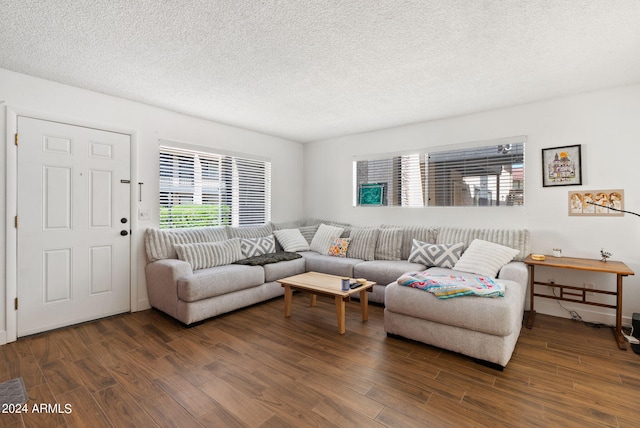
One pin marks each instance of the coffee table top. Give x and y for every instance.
(322, 283)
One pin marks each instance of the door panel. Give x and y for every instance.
(73, 264)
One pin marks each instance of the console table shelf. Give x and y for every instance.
(578, 294)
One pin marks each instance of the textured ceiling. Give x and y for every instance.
(310, 70)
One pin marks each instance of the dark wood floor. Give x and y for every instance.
(255, 368)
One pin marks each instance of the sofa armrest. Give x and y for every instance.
(162, 283)
(515, 271)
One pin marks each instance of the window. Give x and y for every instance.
(491, 175)
(393, 181)
(209, 189)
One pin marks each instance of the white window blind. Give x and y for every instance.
(210, 189)
(391, 181)
(491, 175)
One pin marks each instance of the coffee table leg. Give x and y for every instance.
(340, 309)
(288, 296)
(364, 304)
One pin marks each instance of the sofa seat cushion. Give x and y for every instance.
(384, 272)
(205, 283)
(341, 266)
(499, 316)
(276, 271)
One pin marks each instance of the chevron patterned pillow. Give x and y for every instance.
(252, 247)
(440, 255)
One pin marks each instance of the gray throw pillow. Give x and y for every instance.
(440, 255)
(252, 247)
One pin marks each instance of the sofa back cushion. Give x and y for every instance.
(202, 255)
(363, 243)
(308, 232)
(159, 243)
(250, 231)
(409, 233)
(389, 244)
(517, 239)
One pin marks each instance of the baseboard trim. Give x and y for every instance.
(588, 313)
(143, 305)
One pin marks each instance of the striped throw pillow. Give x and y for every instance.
(159, 244)
(204, 255)
(324, 237)
(291, 240)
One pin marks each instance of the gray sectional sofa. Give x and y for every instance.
(483, 328)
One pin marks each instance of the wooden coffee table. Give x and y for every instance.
(329, 285)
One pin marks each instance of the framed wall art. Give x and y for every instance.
(597, 203)
(371, 194)
(562, 166)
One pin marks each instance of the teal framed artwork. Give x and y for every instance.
(371, 194)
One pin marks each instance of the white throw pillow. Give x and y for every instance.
(204, 255)
(324, 237)
(291, 240)
(440, 255)
(485, 258)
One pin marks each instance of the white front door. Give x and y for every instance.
(73, 224)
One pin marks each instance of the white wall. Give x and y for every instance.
(605, 123)
(48, 100)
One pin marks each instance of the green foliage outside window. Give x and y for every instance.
(179, 216)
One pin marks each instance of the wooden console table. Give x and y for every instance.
(579, 294)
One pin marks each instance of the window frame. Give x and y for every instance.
(220, 179)
(509, 189)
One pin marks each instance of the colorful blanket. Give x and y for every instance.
(448, 286)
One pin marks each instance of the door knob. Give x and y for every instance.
(124, 233)
(123, 220)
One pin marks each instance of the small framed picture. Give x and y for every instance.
(562, 166)
(372, 194)
(597, 203)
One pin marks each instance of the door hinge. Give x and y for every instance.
(16, 303)
(16, 139)
(16, 222)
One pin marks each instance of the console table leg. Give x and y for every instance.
(531, 319)
(532, 312)
(618, 332)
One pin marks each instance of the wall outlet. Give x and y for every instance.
(144, 214)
